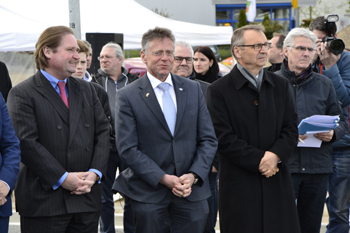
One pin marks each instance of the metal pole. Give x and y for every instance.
(74, 17)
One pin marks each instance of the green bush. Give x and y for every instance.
(132, 53)
(271, 27)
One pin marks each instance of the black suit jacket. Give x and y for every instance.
(55, 140)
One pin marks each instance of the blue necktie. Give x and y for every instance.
(169, 110)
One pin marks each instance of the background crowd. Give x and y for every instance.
(174, 132)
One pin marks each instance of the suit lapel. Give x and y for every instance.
(181, 98)
(44, 87)
(75, 107)
(149, 97)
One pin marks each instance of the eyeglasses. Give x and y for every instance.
(102, 57)
(161, 53)
(257, 47)
(303, 49)
(179, 59)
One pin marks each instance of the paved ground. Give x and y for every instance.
(15, 227)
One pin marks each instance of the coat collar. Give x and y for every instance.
(149, 97)
(239, 80)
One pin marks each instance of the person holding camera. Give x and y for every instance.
(334, 63)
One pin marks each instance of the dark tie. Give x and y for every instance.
(61, 86)
(169, 110)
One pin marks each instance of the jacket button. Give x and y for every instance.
(256, 102)
(59, 127)
(87, 125)
(87, 148)
(303, 169)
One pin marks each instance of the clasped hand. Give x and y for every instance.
(180, 186)
(79, 182)
(4, 191)
(268, 164)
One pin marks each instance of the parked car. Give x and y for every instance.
(135, 65)
(215, 51)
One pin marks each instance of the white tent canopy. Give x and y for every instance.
(23, 21)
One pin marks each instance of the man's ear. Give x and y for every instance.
(47, 52)
(286, 51)
(143, 56)
(281, 52)
(237, 52)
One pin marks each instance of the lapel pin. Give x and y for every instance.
(147, 94)
(181, 89)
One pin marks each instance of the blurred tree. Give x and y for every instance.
(242, 19)
(323, 7)
(305, 23)
(271, 27)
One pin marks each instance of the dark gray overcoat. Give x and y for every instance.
(249, 122)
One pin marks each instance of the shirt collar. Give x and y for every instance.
(51, 78)
(155, 82)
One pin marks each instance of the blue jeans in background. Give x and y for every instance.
(339, 190)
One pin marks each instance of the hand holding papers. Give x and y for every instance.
(316, 124)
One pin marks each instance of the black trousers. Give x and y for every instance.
(69, 223)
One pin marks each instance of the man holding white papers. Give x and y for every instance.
(313, 94)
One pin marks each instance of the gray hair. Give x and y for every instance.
(238, 35)
(156, 33)
(289, 42)
(184, 44)
(117, 50)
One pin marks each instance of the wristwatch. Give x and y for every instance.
(196, 177)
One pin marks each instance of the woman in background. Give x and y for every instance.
(205, 64)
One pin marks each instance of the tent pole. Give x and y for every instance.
(74, 17)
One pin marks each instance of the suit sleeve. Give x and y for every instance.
(9, 148)
(34, 154)
(206, 140)
(127, 143)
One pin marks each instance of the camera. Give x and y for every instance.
(336, 46)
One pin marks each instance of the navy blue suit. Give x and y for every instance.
(10, 157)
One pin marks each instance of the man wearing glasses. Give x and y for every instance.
(112, 76)
(165, 136)
(183, 66)
(313, 94)
(256, 125)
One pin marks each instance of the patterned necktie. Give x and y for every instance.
(61, 86)
(169, 110)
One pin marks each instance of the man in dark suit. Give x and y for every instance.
(167, 140)
(256, 125)
(10, 157)
(64, 137)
